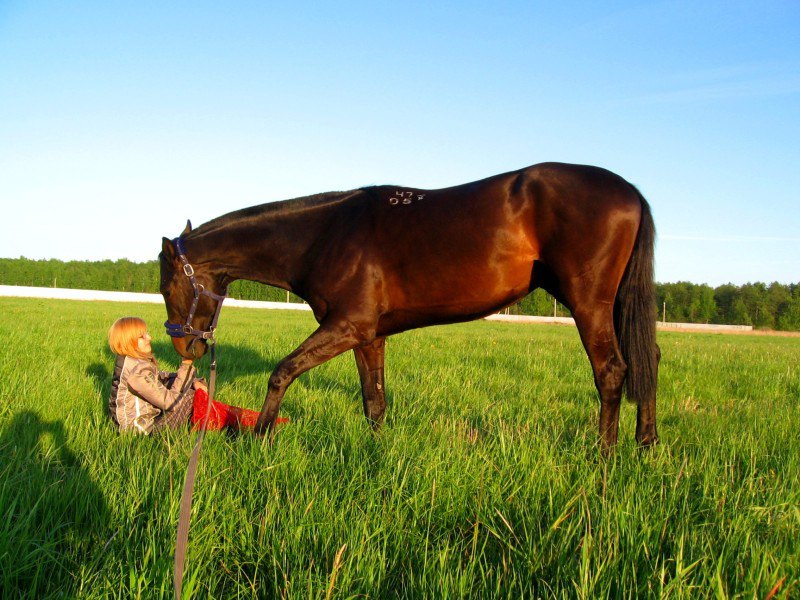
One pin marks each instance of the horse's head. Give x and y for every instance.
(193, 294)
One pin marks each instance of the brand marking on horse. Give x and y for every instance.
(405, 197)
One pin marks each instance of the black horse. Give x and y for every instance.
(380, 260)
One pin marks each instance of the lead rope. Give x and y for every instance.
(188, 485)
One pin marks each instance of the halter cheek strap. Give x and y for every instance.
(177, 330)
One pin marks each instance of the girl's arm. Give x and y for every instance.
(144, 382)
(165, 377)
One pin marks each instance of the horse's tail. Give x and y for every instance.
(636, 313)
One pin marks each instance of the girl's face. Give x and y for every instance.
(143, 343)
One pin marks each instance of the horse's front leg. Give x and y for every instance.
(329, 340)
(369, 360)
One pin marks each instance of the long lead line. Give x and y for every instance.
(182, 540)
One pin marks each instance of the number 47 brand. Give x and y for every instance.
(405, 197)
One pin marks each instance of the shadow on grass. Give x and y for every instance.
(101, 374)
(53, 514)
(232, 360)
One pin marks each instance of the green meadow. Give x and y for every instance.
(485, 482)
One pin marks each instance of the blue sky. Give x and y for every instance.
(118, 121)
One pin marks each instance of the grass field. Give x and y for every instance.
(485, 482)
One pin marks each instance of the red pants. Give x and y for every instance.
(223, 415)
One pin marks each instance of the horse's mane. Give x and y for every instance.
(271, 210)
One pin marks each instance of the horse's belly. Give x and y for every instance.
(454, 293)
(476, 277)
(451, 311)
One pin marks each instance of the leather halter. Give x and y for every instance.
(179, 331)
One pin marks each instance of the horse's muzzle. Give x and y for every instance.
(190, 347)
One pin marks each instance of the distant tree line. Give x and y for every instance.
(113, 275)
(773, 306)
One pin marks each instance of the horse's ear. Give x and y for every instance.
(188, 227)
(167, 248)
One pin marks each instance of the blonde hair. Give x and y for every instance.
(124, 334)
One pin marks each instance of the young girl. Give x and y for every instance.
(144, 399)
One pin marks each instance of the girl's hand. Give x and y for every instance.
(199, 385)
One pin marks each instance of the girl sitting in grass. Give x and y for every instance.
(144, 399)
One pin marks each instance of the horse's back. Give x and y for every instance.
(465, 251)
(441, 255)
(515, 215)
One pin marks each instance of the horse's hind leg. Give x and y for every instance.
(369, 360)
(596, 328)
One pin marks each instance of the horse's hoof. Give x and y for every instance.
(647, 442)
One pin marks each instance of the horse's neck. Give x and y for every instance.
(269, 249)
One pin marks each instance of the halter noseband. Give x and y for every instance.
(177, 330)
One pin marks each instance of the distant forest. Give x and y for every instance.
(765, 306)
